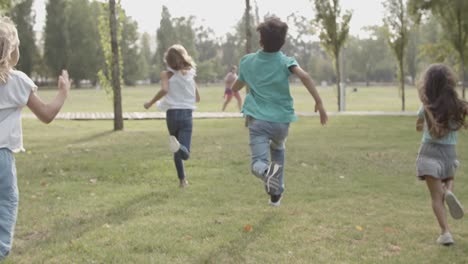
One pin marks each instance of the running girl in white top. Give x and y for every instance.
(177, 96)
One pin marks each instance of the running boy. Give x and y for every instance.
(269, 106)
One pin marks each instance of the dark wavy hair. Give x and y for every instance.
(272, 34)
(444, 110)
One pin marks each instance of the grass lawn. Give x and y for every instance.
(89, 195)
(365, 99)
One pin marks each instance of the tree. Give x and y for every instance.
(23, 18)
(412, 52)
(56, 38)
(113, 22)
(248, 32)
(85, 54)
(5, 6)
(145, 56)
(453, 16)
(300, 44)
(129, 50)
(185, 34)
(397, 24)
(165, 36)
(334, 30)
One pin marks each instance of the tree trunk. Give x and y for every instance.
(338, 80)
(118, 118)
(462, 78)
(402, 85)
(248, 34)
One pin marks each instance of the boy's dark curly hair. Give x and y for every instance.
(272, 34)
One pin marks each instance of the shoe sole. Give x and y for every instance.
(272, 183)
(455, 208)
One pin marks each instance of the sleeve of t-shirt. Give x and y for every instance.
(421, 112)
(291, 62)
(25, 86)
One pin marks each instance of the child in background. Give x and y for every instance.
(177, 96)
(16, 91)
(442, 113)
(269, 106)
(231, 76)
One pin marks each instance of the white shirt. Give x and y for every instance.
(181, 93)
(14, 95)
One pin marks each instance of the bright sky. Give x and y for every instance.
(222, 15)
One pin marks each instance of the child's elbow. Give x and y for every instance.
(46, 119)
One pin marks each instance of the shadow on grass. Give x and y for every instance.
(72, 228)
(234, 251)
(94, 136)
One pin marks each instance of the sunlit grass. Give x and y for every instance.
(89, 195)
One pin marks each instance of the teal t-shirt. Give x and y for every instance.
(267, 76)
(449, 139)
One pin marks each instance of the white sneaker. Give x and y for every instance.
(174, 144)
(455, 207)
(445, 239)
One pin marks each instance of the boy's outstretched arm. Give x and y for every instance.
(309, 84)
(237, 85)
(47, 112)
(165, 76)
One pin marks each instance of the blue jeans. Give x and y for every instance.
(267, 139)
(179, 123)
(8, 200)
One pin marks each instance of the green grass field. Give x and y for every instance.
(89, 195)
(365, 99)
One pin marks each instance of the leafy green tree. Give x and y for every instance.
(453, 16)
(230, 52)
(130, 61)
(56, 37)
(299, 40)
(209, 66)
(145, 56)
(23, 18)
(185, 34)
(334, 30)
(83, 41)
(412, 52)
(165, 36)
(5, 6)
(397, 23)
(434, 46)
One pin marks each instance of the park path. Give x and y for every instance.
(201, 115)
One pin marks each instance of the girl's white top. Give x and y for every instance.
(14, 95)
(181, 93)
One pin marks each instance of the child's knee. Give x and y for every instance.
(259, 169)
(277, 145)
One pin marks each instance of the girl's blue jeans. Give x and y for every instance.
(179, 123)
(8, 200)
(267, 142)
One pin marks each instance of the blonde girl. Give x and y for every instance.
(177, 96)
(16, 91)
(441, 115)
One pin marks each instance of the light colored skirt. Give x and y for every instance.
(436, 160)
